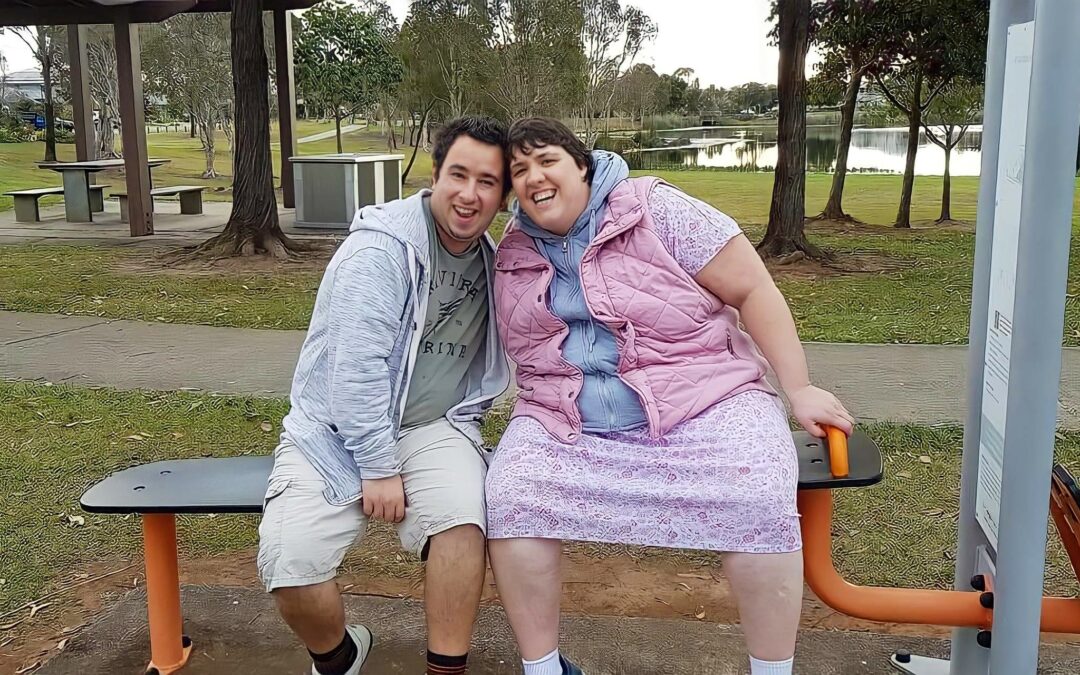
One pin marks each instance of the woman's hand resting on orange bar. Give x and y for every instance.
(816, 408)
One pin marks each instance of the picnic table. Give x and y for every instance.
(76, 177)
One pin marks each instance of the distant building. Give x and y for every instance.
(23, 84)
(870, 96)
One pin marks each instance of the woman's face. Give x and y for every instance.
(550, 186)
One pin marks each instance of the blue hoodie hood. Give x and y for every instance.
(609, 170)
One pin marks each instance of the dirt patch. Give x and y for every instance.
(861, 228)
(174, 262)
(642, 583)
(854, 264)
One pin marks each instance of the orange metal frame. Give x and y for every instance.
(169, 647)
(901, 605)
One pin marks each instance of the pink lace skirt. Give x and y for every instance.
(723, 481)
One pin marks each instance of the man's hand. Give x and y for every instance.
(384, 499)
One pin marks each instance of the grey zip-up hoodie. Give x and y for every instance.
(349, 388)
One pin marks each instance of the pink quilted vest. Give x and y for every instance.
(680, 347)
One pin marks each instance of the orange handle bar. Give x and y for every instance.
(838, 451)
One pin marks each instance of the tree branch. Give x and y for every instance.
(934, 94)
(889, 95)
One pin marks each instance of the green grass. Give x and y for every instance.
(923, 295)
(187, 161)
(92, 281)
(59, 440)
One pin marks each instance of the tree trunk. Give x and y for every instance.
(46, 76)
(416, 145)
(337, 128)
(903, 216)
(946, 188)
(785, 234)
(253, 224)
(206, 132)
(191, 123)
(834, 209)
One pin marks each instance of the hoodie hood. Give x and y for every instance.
(402, 219)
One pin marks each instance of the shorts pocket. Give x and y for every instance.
(274, 489)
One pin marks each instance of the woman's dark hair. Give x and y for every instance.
(530, 133)
(483, 129)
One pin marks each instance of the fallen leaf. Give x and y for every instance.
(11, 625)
(194, 405)
(27, 669)
(60, 645)
(903, 474)
(74, 424)
(266, 426)
(134, 437)
(82, 576)
(700, 615)
(37, 608)
(3, 581)
(694, 576)
(177, 435)
(76, 520)
(925, 459)
(688, 589)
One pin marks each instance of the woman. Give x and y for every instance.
(643, 413)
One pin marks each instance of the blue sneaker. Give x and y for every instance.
(569, 668)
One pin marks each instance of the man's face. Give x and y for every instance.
(466, 192)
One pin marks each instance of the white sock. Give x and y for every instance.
(768, 667)
(548, 665)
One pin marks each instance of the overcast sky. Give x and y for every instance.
(724, 41)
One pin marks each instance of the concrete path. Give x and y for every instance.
(171, 228)
(347, 129)
(903, 383)
(237, 631)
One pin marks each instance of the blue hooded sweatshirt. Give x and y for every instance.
(606, 403)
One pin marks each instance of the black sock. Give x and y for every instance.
(338, 660)
(437, 664)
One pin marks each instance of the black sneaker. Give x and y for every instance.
(569, 668)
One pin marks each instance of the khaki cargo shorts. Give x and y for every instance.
(303, 538)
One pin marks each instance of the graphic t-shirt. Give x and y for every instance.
(454, 332)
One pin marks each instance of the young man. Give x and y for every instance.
(401, 359)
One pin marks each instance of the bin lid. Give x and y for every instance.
(346, 158)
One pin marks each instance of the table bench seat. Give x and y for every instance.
(26, 201)
(191, 201)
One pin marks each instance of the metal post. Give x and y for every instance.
(169, 649)
(967, 656)
(1049, 183)
(133, 123)
(286, 91)
(82, 105)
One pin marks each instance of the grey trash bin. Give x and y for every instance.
(331, 188)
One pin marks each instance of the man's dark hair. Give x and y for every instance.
(483, 129)
(530, 133)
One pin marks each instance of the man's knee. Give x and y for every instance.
(456, 541)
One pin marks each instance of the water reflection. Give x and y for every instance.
(754, 149)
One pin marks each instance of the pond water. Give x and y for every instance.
(754, 149)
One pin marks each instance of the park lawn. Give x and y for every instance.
(913, 287)
(59, 440)
(187, 161)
